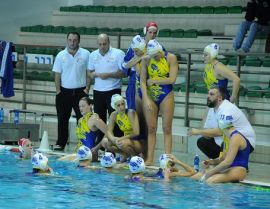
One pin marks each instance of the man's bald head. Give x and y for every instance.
(103, 41)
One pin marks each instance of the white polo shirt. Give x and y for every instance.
(212, 122)
(72, 68)
(231, 112)
(109, 63)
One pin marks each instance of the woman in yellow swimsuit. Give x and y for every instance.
(158, 74)
(131, 143)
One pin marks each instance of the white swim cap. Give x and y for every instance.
(39, 161)
(138, 43)
(84, 153)
(136, 165)
(163, 161)
(212, 50)
(116, 98)
(153, 47)
(107, 160)
(225, 123)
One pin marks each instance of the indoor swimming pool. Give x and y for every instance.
(74, 187)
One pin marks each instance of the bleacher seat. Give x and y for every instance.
(46, 29)
(155, 10)
(205, 32)
(164, 33)
(81, 30)
(192, 33)
(132, 9)
(233, 61)
(36, 28)
(221, 10)
(183, 87)
(194, 10)
(207, 10)
(109, 9)
(181, 10)
(179, 33)
(200, 87)
(235, 10)
(254, 91)
(58, 29)
(144, 10)
(69, 29)
(121, 9)
(168, 10)
(267, 92)
(91, 31)
(253, 61)
(266, 62)
(76, 8)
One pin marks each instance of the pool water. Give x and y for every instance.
(74, 187)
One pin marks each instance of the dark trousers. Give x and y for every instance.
(102, 106)
(209, 147)
(65, 101)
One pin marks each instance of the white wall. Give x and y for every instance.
(14, 14)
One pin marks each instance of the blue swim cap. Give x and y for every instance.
(107, 160)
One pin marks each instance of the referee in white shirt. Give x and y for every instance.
(71, 82)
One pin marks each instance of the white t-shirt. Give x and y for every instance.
(72, 68)
(109, 63)
(212, 122)
(232, 113)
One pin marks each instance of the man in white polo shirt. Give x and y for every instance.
(225, 110)
(105, 65)
(71, 82)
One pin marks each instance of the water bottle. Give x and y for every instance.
(1, 115)
(16, 116)
(196, 162)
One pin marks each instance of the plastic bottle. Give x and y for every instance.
(16, 116)
(1, 115)
(196, 162)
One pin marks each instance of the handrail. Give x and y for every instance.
(188, 52)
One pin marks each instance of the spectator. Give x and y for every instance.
(256, 19)
(105, 65)
(71, 82)
(158, 74)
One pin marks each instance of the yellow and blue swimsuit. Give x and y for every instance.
(84, 135)
(158, 70)
(210, 79)
(125, 124)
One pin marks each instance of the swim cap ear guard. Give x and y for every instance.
(39, 161)
(150, 25)
(138, 43)
(116, 98)
(136, 165)
(107, 160)
(212, 50)
(84, 153)
(163, 161)
(153, 47)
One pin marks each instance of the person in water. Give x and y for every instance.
(40, 164)
(25, 148)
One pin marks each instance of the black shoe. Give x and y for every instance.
(58, 148)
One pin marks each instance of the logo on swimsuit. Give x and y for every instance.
(154, 67)
(120, 122)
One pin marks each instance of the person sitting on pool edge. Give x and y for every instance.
(131, 143)
(40, 164)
